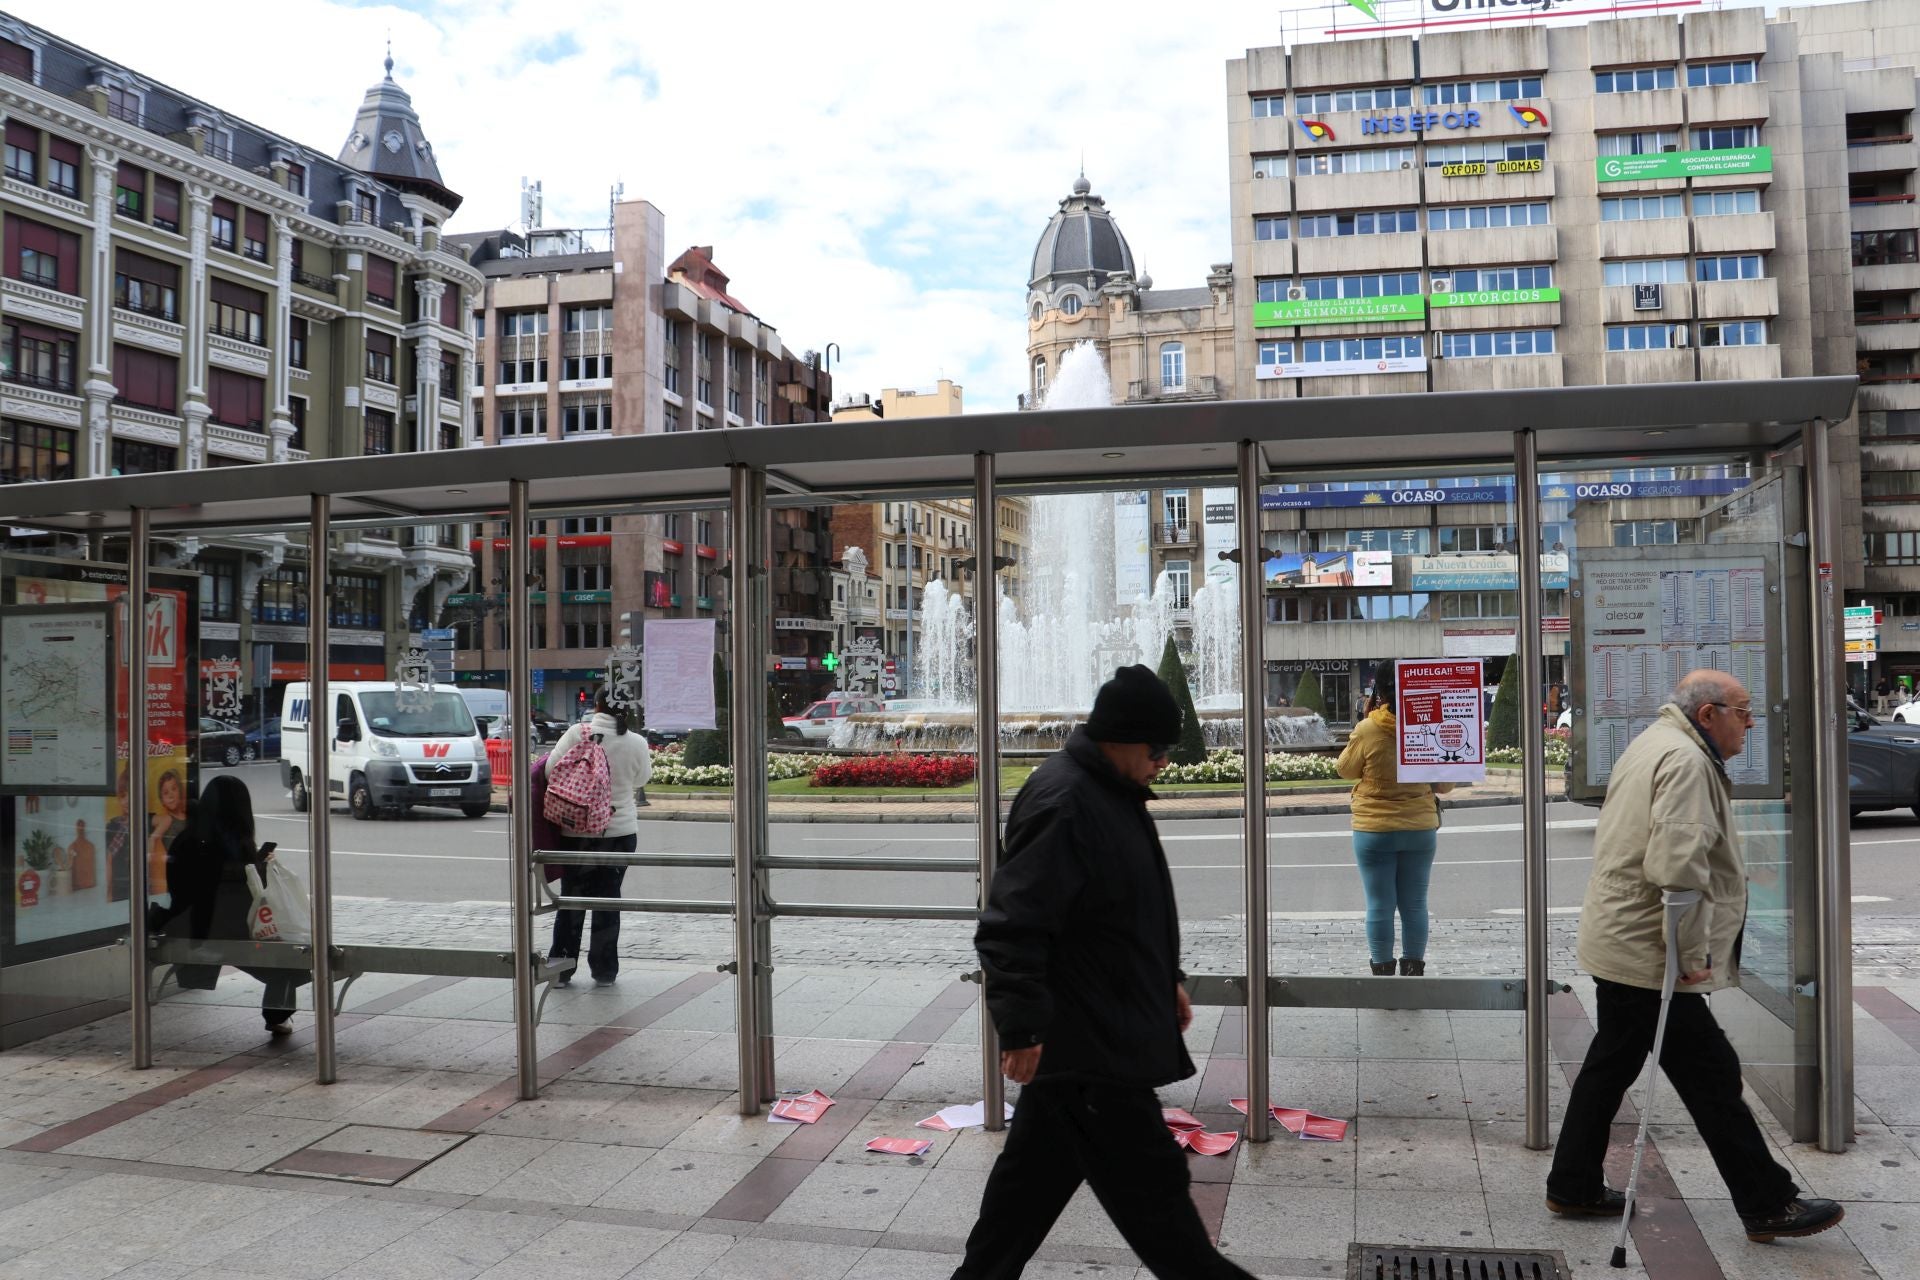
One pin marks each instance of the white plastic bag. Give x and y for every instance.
(279, 912)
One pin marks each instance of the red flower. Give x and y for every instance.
(895, 771)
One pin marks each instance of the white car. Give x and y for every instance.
(817, 722)
(1907, 713)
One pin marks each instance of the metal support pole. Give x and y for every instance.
(1833, 994)
(747, 516)
(141, 1020)
(320, 732)
(907, 685)
(986, 737)
(520, 890)
(1253, 711)
(1533, 782)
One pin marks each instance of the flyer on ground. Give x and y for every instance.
(1441, 733)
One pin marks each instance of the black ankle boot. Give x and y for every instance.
(1381, 968)
(1411, 968)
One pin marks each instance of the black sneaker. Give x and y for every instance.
(1794, 1218)
(603, 982)
(1609, 1205)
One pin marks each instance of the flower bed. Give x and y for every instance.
(1557, 751)
(670, 769)
(1225, 764)
(895, 771)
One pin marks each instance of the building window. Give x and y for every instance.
(1733, 266)
(1480, 604)
(1885, 248)
(449, 385)
(137, 458)
(225, 232)
(297, 343)
(282, 596)
(1375, 284)
(1266, 165)
(1070, 305)
(1328, 350)
(130, 191)
(125, 104)
(38, 254)
(146, 379)
(297, 178)
(670, 379)
(146, 285)
(1653, 533)
(1370, 160)
(1639, 337)
(382, 280)
(1635, 80)
(1506, 89)
(166, 204)
(356, 601)
(1641, 208)
(366, 208)
(1376, 98)
(586, 320)
(380, 356)
(523, 372)
(38, 357)
(1715, 204)
(30, 452)
(1486, 150)
(1726, 137)
(1372, 223)
(703, 392)
(1173, 367)
(477, 325)
(522, 324)
(1269, 104)
(1489, 279)
(253, 242)
(588, 416)
(577, 368)
(1651, 142)
(1738, 71)
(17, 60)
(379, 432)
(1180, 582)
(1519, 342)
(236, 399)
(670, 417)
(297, 414)
(1472, 217)
(1734, 333)
(1644, 271)
(524, 419)
(1272, 228)
(23, 153)
(237, 312)
(586, 577)
(1890, 423)
(63, 169)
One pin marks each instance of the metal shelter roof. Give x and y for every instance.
(1120, 446)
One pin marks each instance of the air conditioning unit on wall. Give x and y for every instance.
(1296, 294)
(1442, 285)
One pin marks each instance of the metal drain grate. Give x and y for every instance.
(1407, 1262)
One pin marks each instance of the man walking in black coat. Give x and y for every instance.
(1080, 943)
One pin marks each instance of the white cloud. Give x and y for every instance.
(872, 175)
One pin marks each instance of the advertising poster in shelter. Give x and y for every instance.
(68, 850)
(1441, 736)
(1219, 532)
(677, 678)
(1132, 550)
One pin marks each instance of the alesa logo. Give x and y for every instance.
(432, 749)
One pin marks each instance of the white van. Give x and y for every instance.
(385, 759)
(489, 708)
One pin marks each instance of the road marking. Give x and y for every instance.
(422, 857)
(1329, 866)
(1868, 897)
(1342, 833)
(1520, 911)
(1902, 840)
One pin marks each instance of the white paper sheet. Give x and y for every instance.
(677, 682)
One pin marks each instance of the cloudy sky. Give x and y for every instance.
(870, 174)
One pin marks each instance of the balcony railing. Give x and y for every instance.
(1903, 198)
(1879, 141)
(1176, 535)
(45, 382)
(238, 335)
(1194, 388)
(321, 284)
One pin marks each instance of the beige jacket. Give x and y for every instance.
(1381, 802)
(1667, 823)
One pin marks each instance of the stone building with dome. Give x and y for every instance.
(1160, 344)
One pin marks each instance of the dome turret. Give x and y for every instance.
(387, 143)
(1081, 246)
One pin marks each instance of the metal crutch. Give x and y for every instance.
(1676, 902)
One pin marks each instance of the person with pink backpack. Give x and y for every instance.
(592, 777)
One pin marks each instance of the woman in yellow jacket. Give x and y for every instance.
(1396, 827)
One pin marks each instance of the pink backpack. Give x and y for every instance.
(580, 790)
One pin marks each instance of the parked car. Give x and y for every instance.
(221, 743)
(263, 740)
(817, 722)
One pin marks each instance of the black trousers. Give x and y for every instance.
(603, 945)
(1064, 1133)
(1704, 1071)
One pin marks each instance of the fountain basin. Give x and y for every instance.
(1287, 728)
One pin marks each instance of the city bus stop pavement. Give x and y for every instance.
(226, 1160)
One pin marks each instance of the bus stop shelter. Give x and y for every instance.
(1779, 429)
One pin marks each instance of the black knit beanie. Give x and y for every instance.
(1135, 706)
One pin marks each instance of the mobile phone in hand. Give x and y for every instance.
(266, 850)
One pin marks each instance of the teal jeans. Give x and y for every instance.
(1395, 869)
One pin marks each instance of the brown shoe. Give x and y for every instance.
(1794, 1218)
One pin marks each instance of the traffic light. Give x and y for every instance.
(580, 699)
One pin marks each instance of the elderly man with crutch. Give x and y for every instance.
(1667, 827)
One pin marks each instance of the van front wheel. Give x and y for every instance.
(360, 799)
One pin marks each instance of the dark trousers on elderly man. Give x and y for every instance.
(1114, 1139)
(1705, 1072)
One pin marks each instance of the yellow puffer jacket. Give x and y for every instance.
(1381, 802)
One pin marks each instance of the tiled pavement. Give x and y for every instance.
(226, 1161)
